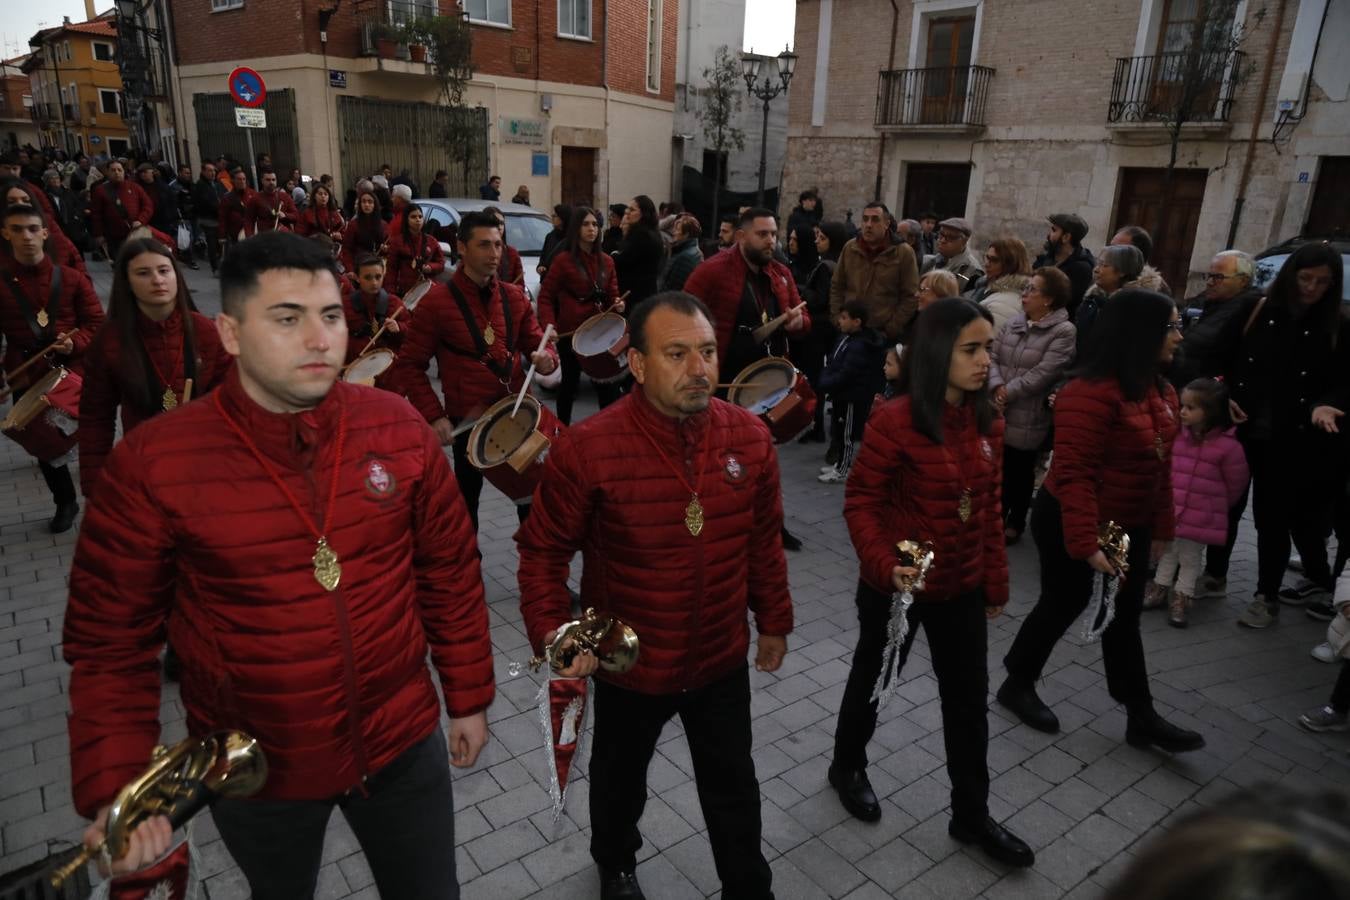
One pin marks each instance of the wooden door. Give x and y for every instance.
(578, 176)
(936, 187)
(1170, 213)
(950, 41)
(1329, 212)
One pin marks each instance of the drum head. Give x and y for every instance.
(598, 333)
(497, 435)
(763, 385)
(365, 369)
(415, 295)
(34, 400)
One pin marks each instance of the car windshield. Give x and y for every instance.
(526, 233)
(1267, 267)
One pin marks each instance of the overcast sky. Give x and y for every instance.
(768, 23)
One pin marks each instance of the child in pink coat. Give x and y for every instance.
(1209, 473)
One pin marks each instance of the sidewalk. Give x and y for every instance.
(1083, 799)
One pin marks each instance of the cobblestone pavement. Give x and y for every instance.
(1083, 799)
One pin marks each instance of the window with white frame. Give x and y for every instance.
(653, 45)
(110, 102)
(222, 5)
(574, 18)
(493, 12)
(103, 52)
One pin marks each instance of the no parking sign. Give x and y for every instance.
(247, 88)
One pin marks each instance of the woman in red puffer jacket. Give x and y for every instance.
(929, 470)
(1114, 427)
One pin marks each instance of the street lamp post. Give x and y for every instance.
(765, 91)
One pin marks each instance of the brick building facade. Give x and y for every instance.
(575, 97)
(17, 128)
(1006, 112)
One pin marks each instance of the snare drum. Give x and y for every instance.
(41, 418)
(774, 390)
(365, 369)
(415, 295)
(601, 346)
(510, 451)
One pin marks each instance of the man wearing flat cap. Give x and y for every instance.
(952, 253)
(1064, 250)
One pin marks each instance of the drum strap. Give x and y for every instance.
(501, 370)
(40, 334)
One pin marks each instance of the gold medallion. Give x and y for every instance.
(489, 336)
(169, 400)
(42, 318)
(964, 507)
(327, 570)
(693, 516)
(764, 317)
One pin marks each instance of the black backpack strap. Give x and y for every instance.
(476, 334)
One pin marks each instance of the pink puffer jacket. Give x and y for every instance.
(1208, 476)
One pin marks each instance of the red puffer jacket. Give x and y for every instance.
(438, 330)
(190, 533)
(720, 282)
(78, 312)
(321, 220)
(610, 493)
(1113, 461)
(106, 388)
(233, 213)
(265, 212)
(565, 297)
(364, 319)
(404, 262)
(112, 223)
(905, 487)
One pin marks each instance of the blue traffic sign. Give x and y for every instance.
(247, 88)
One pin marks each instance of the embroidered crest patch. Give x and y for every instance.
(732, 469)
(379, 480)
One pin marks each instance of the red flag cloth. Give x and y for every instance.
(170, 878)
(562, 714)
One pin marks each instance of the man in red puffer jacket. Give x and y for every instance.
(302, 576)
(672, 498)
(116, 208)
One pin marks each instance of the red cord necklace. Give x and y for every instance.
(693, 513)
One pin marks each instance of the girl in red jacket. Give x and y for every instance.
(365, 232)
(581, 281)
(1114, 427)
(322, 216)
(929, 470)
(139, 361)
(412, 255)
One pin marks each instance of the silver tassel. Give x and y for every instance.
(888, 682)
(1102, 606)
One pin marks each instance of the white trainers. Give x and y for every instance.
(828, 468)
(834, 476)
(1323, 653)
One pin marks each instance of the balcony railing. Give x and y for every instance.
(950, 96)
(387, 14)
(1197, 87)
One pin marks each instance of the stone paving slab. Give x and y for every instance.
(1084, 800)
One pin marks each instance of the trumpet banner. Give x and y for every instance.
(563, 706)
(172, 877)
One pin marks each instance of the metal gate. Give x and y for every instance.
(218, 135)
(412, 136)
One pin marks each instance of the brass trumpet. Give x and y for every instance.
(614, 644)
(179, 782)
(1115, 546)
(914, 555)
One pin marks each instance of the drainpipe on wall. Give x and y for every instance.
(604, 81)
(890, 64)
(1256, 124)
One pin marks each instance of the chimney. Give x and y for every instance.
(89, 13)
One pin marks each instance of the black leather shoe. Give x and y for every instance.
(790, 542)
(1150, 729)
(856, 793)
(1000, 843)
(1023, 702)
(619, 886)
(64, 518)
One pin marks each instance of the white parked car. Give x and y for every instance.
(526, 228)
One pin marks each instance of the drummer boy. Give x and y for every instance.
(371, 307)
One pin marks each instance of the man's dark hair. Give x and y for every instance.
(481, 219)
(808, 194)
(265, 170)
(494, 212)
(368, 259)
(928, 214)
(728, 219)
(755, 212)
(24, 211)
(440, 173)
(617, 209)
(856, 309)
(877, 204)
(676, 301)
(1140, 237)
(267, 252)
(492, 178)
(1126, 341)
(927, 360)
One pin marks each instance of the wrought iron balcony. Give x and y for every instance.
(1196, 87)
(933, 99)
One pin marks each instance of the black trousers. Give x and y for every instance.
(958, 644)
(571, 383)
(1066, 587)
(1019, 481)
(1217, 556)
(405, 824)
(208, 229)
(58, 478)
(470, 481)
(716, 721)
(1293, 490)
(1340, 695)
